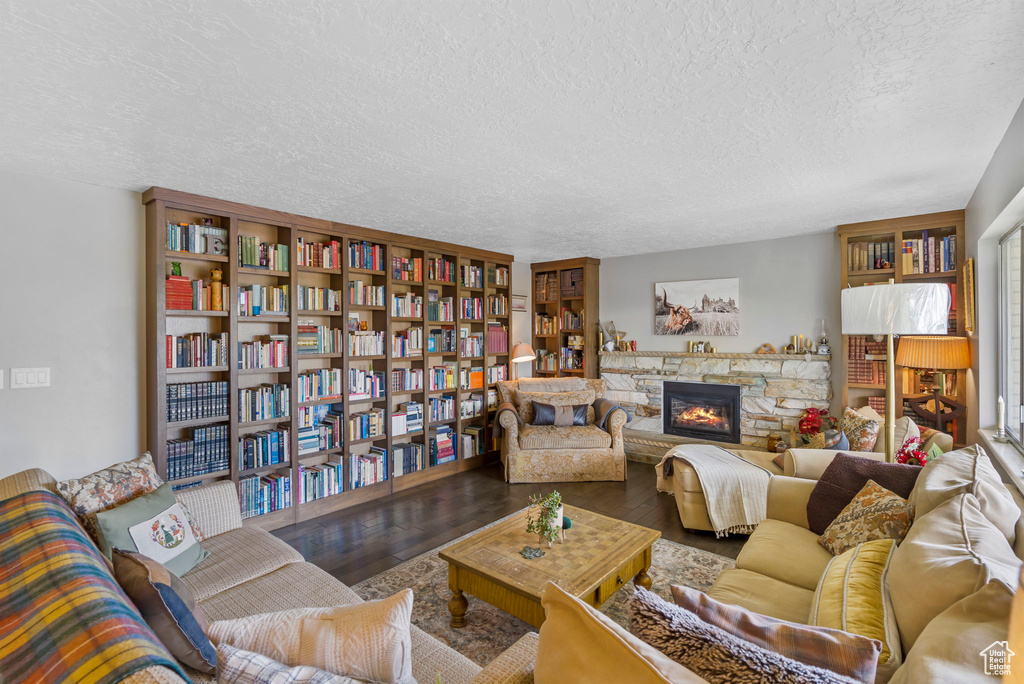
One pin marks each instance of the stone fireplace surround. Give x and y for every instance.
(774, 391)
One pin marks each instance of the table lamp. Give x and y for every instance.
(521, 352)
(936, 353)
(895, 309)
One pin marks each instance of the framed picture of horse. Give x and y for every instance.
(703, 308)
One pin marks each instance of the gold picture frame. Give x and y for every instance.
(969, 313)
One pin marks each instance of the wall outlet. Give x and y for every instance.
(29, 378)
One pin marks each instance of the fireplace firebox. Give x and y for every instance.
(702, 410)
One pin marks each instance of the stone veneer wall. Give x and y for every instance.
(775, 388)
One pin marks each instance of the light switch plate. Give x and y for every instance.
(29, 378)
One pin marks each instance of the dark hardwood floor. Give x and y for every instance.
(362, 541)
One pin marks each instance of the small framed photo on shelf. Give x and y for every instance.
(519, 303)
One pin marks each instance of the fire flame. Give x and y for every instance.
(700, 415)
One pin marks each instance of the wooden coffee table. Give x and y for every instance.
(600, 554)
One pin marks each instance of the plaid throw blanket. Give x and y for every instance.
(63, 618)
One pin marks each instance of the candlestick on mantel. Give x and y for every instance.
(1000, 419)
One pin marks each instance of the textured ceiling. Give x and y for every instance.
(546, 129)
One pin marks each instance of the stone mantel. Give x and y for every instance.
(774, 388)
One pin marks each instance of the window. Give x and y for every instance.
(1011, 351)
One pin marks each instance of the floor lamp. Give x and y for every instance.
(937, 354)
(889, 310)
(521, 352)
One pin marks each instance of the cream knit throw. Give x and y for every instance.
(736, 490)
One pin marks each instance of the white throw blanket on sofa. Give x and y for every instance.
(735, 489)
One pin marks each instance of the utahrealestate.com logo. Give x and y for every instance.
(997, 658)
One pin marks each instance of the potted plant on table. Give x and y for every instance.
(545, 516)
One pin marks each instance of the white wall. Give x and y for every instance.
(521, 324)
(786, 287)
(72, 297)
(993, 209)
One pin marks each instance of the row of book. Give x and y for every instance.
(570, 358)
(266, 402)
(319, 339)
(409, 458)
(870, 256)
(405, 343)
(406, 379)
(370, 468)
(546, 361)
(497, 305)
(320, 428)
(197, 400)
(571, 282)
(442, 340)
(257, 300)
(471, 308)
(320, 481)
(318, 254)
(471, 406)
(865, 361)
(205, 451)
(545, 287)
(440, 268)
(366, 255)
(266, 351)
(407, 305)
(262, 494)
(442, 408)
(365, 384)
(408, 418)
(184, 294)
(266, 256)
(471, 378)
(407, 268)
(443, 376)
(571, 320)
(197, 350)
(363, 294)
(319, 299)
(197, 239)
(498, 275)
(366, 343)
(473, 441)
(264, 448)
(497, 373)
(471, 276)
(497, 338)
(544, 325)
(441, 445)
(439, 308)
(366, 424)
(471, 344)
(322, 383)
(929, 254)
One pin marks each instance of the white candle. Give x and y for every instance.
(1000, 416)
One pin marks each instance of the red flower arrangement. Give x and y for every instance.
(911, 454)
(813, 420)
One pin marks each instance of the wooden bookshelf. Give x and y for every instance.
(857, 391)
(164, 206)
(552, 303)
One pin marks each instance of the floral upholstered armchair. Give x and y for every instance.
(574, 436)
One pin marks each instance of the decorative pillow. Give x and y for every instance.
(109, 487)
(168, 607)
(713, 653)
(578, 641)
(844, 477)
(368, 640)
(874, 513)
(561, 416)
(950, 647)
(848, 654)
(235, 666)
(949, 553)
(967, 471)
(853, 595)
(155, 526)
(862, 432)
(524, 401)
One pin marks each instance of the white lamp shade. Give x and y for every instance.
(896, 309)
(523, 352)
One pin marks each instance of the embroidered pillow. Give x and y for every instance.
(861, 431)
(874, 513)
(109, 487)
(235, 666)
(713, 653)
(524, 402)
(848, 654)
(560, 416)
(168, 607)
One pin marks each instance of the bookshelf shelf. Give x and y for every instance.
(871, 272)
(347, 248)
(941, 275)
(566, 307)
(865, 385)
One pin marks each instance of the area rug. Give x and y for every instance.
(490, 631)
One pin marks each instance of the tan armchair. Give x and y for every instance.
(548, 453)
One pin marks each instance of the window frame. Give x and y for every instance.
(1014, 434)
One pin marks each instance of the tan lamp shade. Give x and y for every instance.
(939, 352)
(523, 352)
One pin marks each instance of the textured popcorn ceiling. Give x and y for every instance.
(545, 129)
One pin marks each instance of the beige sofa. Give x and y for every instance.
(546, 453)
(250, 571)
(778, 569)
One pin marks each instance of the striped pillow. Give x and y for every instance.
(235, 666)
(848, 654)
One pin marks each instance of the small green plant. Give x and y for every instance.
(541, 516)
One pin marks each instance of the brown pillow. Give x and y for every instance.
(844, 477)
(874, 513)
(561, 416)
(168, 607)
